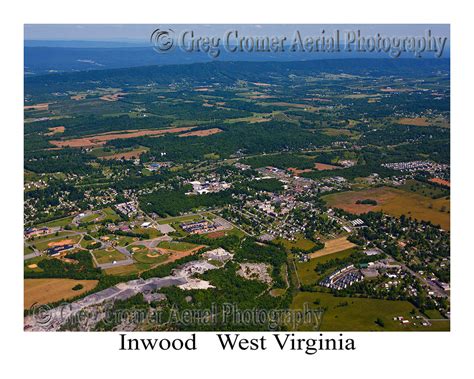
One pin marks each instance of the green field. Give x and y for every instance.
(142, 257)
(425, 189)
(360, 314)
(125, 240)
(59, 222)
(299, 243)
(104, 256)
(33, 261)
(127, 269)
(152, 232)
(27, 249)
(179, 219)
(42, 244)
(110, 214)
(178, 246)
(306, 273)
(91, 217)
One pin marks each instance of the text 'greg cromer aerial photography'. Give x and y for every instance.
(237, 178)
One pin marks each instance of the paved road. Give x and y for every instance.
(32, 255)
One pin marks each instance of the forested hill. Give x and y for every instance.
(230, 72)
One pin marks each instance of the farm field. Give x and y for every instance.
(128, 154)
(101, 139)
(333, 246)
(43, 291)
(360, 314)
(395, 202)
(417, 121)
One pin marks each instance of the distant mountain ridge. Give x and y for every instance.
(86, 55)
(228, 72)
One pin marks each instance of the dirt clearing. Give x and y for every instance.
(175, 254)
(201, 133)
(324, 167)
(37, 107)
(61, 243)
(442, 182)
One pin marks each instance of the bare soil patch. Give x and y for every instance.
(442, 182)
(113, 97)
(175, 254)
(215, 235)
(324, 166)
(61, 243)
(201, 133)
(101, 139)
(55, 130)
(297, 172)
(37, 107)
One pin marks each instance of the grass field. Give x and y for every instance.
(306, 273)
(180, 219)
(395, 202)
(152, 232)
(59, 222)
(149, 257)
(31, 265)
(91, 217)
(104, 256)
(177, 246)
(43, 291)
(61, 239)
(27, 249)
(425, 189)
(125, 240)
(143, 263)
(333, 246)
(110, 214)
(299, 243)
(128, 269)
(360, 314)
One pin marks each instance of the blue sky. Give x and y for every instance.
(141, 32)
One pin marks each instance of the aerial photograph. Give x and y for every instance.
(225, 178)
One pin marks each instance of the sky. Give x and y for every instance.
(140, 33)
